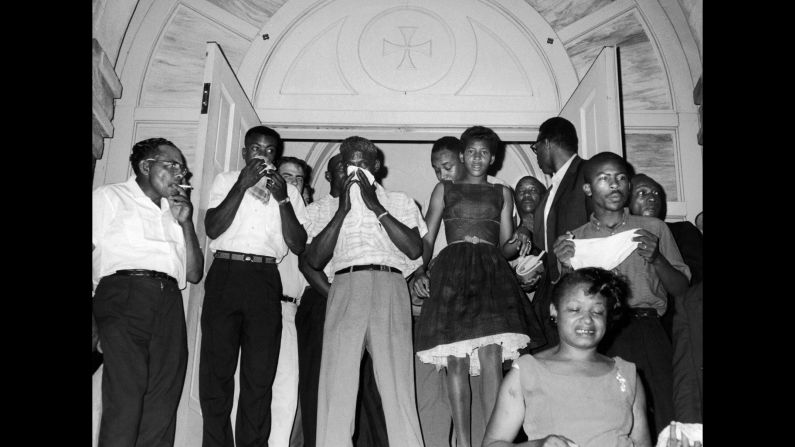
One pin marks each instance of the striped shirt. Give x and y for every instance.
(362, 238)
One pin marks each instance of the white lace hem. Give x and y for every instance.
(510, 342)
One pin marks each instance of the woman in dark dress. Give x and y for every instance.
(477, 315)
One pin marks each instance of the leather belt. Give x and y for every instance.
(288, 299)
(245, 257)
(643, 312)
(356, 268)
(146, 273)
(472, 240)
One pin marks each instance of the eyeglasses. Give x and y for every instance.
(534, 146)
(173, 166)
(643, 193)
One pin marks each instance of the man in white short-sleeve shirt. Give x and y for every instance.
(375, 240)
(254, 217)
(284, 404)
(145, 250)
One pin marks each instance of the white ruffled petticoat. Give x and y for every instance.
(510, 342)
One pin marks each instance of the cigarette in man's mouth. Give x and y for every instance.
(185, 186)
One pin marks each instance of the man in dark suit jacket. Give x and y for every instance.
(563, 208)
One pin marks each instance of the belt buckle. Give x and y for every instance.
(383, 268)
(247, 258)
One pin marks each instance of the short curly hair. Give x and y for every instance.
(267, 132)
(449, 143)
(147, 149)
(355, 144)
(612, 286)
(481, 133)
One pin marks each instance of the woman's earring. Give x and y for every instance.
(553, 319)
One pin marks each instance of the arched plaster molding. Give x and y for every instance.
(525, 19)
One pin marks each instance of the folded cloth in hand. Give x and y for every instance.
(260, 190)
(368, 174)
(526, 264)
(604, 252)
(355, 193)
(693, 432)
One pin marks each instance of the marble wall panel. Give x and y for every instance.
(643, 80)
(560, 13)
(654, 154)
(255, 12)
(176, 69)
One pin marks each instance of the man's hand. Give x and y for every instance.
(648, 248)
(181, 206)
(251, 174)
(345, 196)
(368, 194)
(421, 284)
(673, 441)
(277, 186)
(523, 238)
(564, 248)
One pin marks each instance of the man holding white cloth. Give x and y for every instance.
(375, 239)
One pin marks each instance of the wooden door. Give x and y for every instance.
(226, 116)
(594, 107)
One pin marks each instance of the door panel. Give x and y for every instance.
(594, 107)
(222, 129)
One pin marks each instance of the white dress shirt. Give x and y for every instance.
(362, 238)
(556, 179)
(129, 231)
(257, 227)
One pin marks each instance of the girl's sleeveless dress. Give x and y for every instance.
(475, 299)
(591, 411)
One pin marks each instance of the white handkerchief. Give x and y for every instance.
(604, 252)
(260, 190)
(526, 264)
(356, 194)
(693, 432)
(368, 174)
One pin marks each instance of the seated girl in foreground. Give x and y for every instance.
(570, 395)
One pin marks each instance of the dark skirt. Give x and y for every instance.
(473, 293)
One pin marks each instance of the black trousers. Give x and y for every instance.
(541, 301)
(241, 312)
(371, 424)
(141, 326)
(309, 319)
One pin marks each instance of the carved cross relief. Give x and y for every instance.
(406, 63)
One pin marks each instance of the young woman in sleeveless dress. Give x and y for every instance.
(476, 315)
(570, 395)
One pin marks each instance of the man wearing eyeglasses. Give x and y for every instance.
(144, 250)
(563, 207)
(254, 217)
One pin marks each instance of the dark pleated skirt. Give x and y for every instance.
(473, 293)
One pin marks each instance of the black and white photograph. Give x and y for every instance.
(405, 223)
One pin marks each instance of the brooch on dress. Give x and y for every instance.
(622, 381)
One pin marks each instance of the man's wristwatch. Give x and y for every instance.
(284, 201)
